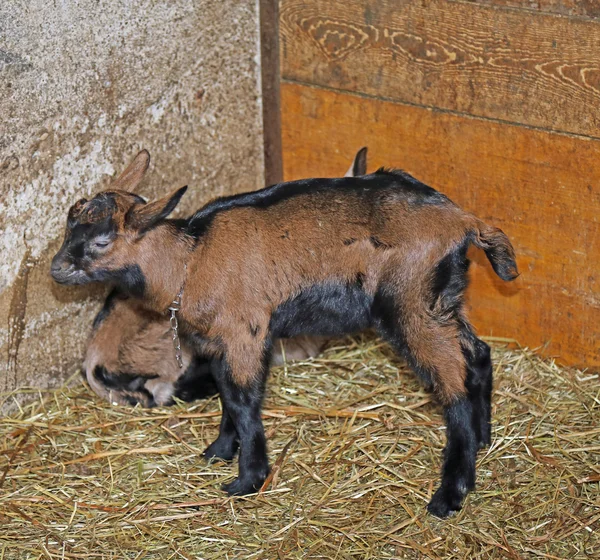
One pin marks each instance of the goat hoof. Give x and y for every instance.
(484, 442)
(242, 487)
(219, 449)
(445, 502)
(485, 439)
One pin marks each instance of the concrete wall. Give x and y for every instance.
(84, 85)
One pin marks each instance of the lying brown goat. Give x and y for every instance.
(130, 358)
(318, 257)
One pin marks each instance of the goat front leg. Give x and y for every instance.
(242, 397)
(226, 445)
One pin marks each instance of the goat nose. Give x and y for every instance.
(58, 265)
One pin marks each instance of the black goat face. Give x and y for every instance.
(93, 228)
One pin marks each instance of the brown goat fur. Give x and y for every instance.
(130, 358)
(133, 340)
(319, 256)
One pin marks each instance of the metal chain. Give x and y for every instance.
(176, 306)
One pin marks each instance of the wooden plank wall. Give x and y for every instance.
(494, 102)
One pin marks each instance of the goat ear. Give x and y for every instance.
(133, 175)
(143, 217)
(359, 165)
(75, 211)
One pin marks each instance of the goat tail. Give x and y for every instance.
(498, 249)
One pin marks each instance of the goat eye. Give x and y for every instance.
(101, 243)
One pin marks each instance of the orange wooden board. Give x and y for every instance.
(542, 189)
(511, 65)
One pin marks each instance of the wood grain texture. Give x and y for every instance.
(585, 8)
(270, 79)
(542, 189)
(510, 65)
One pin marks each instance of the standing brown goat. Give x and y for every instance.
(130, 359)
(316, 256)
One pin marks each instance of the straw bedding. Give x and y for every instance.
(355, 445)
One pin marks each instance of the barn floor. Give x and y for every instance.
(356, 457)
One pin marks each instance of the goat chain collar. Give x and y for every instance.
(173, 309)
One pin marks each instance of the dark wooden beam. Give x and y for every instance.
(269, 49)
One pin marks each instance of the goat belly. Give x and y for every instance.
(327, 309)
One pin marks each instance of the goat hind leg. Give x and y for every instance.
(433, 350)
(458, 470)
(451, 379)
(479, 382)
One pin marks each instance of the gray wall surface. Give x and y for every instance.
(84, 85)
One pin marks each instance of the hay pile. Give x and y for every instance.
(356, 456)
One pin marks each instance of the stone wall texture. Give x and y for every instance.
(84, 85)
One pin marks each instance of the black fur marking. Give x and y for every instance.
(254, 329)
(125, 382)
(450, 280)
(109, 303)
(77, 251)
(131, 400)
(121, 381)
(479, 383)
(130, 279)
(385, 311)
(442, 275)
(197, 382)
(179, 224)
(349, 241)
(324, 309)
(383, 183)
